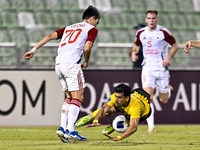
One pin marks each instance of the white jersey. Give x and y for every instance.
(155, 46)
(72, 43)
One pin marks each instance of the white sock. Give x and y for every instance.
(64, 116)
(150, 119)
(90, 116)
(169, 93)
(73, 113)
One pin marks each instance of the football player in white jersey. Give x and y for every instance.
(76, 40)
(154, 39)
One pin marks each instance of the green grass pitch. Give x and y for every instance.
(168, 137)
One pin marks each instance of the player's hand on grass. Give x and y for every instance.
(112, 138)
(94, 124)
(28, 55)
(134, 56)
(187, 46)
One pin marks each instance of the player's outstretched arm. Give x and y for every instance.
(131, 129)
(191, 44)
(42, 42)
(102, 112)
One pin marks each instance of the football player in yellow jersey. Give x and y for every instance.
(135, 104)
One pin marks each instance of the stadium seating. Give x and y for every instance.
(18, 35)
(178, 21)
(69, 5)
(53, 4)
(4, 35)
(7, 56)
(75, 16)
(43, 17)
(185, 6)
(193, 20)
(113, 20)
(35, 34)
(120, 4)
(60, 18)
(187, 35)
(9, 18)
(28, 21)
(105, 36)
(164, 20)
(19, 4)
(121, 36)
(4, 4)
(135, 5)
(83, 4)
(128, 20)
(169, 5)
(153, 4)
(36, 4)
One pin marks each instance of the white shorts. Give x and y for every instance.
(150, 78)
(71, 76)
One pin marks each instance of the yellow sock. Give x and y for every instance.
(93, 115)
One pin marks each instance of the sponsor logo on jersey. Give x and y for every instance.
(151, 51)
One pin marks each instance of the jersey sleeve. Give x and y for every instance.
(169, 38)
(137, 38)
(60, 33)
(111, 100)
(92, 34)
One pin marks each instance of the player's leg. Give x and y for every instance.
(61, 130)
(150, 119)
(110, 128)
(165, 90)
(83, 120)
(148, 83)
(74, 108)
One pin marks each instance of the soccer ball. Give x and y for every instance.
(120, 124)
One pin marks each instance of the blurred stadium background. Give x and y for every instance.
(25, 22)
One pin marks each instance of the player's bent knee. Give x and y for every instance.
(164, 101)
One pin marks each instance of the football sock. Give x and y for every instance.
(169, 95)
(150, 119)
(94, 113)
(73, 113)
(64, 114)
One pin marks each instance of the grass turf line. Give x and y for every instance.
(169, 137)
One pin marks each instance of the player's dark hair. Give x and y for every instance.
(122, 88)
(91, 11)
(152, 12)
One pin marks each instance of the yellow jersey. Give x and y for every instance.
(138, 107)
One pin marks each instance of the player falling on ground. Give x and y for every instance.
(154, 39)
(76, 40)
(134, 104)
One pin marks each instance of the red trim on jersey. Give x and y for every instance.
(60, 33)
(151, 100)
(76, 102)
(138, 42)
(169, 38)
(92, 34)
